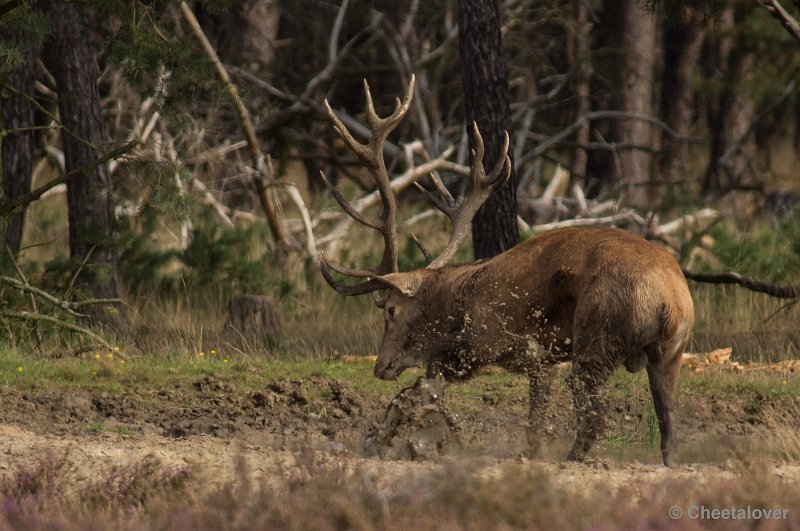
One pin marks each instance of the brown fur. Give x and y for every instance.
(599, 297)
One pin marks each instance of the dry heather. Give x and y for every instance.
(318, 491)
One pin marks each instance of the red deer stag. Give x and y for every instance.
(598, 297)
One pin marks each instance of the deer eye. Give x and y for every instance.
(390, 312)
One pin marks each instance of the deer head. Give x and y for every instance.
(406, 328)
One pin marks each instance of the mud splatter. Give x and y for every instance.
(417, 425)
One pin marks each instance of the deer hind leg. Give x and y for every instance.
(663, 376)
(589, 375)
(541, 379)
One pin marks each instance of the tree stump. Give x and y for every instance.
(253, 321)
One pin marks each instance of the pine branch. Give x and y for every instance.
(55, 301)
(10, 5)
(35, 316)
(17, 203)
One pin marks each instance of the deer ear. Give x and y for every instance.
(406, 283)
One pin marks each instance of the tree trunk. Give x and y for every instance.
(253, 321)
(580, 53)
(245, 33)
(18, 147)
(732, 113)
(637, 44)
(494, 228)
(71, 61)
(683, 43)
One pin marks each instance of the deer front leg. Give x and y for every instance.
(541, 380)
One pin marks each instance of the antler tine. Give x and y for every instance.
(442, 205)
(477, 151)
(347, 207)
(384, 126)
(361, 150)
(360, 273)
(442, 189)
(367, 286)
(480, 188)
(478, 176)
(423, 249)
(498, 177)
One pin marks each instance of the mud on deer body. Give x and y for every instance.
(598, 297)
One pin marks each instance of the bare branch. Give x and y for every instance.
(750, 128)
(689, 219)
(336, 31)
(788, 21)
(629, 215)
(781, 292)
(334, 57)
(599, 115)
(37, 334)
(268, 199)
(397, 184)
(221, 210)
(301, 104)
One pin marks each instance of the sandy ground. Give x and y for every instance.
(216, 432)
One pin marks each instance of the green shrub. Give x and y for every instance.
(233, 259)
(767, 253)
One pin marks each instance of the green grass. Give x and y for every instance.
(758, 327)
(747, 385)
(94, 427)
(115, 372)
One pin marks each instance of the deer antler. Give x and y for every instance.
(480, 187)
(371, 155)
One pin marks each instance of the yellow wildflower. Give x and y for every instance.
(20, 370)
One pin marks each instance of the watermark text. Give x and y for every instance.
(701, 512)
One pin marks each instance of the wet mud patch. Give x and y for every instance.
(485, 417)
(284, 408)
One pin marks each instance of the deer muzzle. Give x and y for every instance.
(385, 371)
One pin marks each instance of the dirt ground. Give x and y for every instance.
(211, 428)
